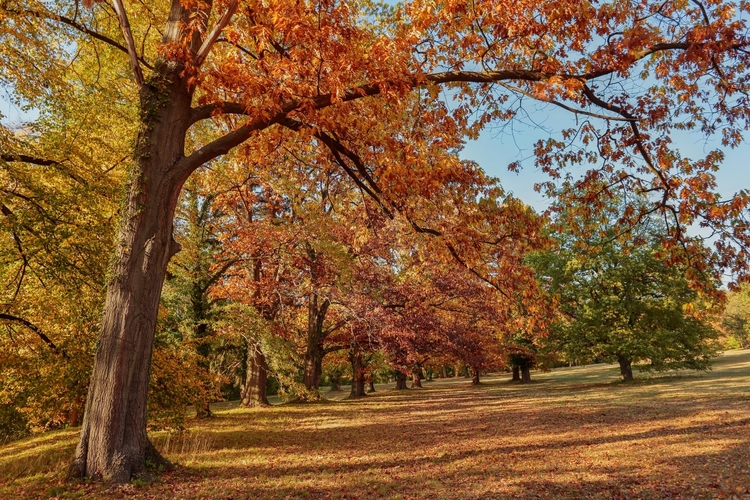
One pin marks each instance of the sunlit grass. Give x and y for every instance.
(572, 433)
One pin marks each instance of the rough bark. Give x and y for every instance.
(113, 445)
(516, 373)
(253, 392)
(416, 381)
(475, 376)
(626, 369)
(400, 381)
(358, 374)
(313, 366)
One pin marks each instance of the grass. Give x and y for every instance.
(572, 433)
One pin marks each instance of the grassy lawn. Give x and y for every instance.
(572, 433)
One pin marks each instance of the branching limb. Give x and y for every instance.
(213, 36)
(31, 326)
(78, 27)
(128, 35)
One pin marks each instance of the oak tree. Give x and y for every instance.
(242, 70)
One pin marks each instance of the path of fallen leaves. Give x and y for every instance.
(570, 434)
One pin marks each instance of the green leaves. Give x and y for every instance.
(618, 299)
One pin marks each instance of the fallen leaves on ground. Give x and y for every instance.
(569, 434)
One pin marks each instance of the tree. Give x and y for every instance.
(243, 73)
(191, 312)
(735, 320)
(621, 302)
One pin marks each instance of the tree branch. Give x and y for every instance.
(37, 330)
(128, 35)
(77, 26)
(43, 162)
(225, 143)
(215, 32)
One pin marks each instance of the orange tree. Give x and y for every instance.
(332, 70)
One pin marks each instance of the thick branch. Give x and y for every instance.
(42, 162)
(28, 159)
(224, 144)
(218, 274)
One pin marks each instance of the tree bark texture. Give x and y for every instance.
(416, 381)
(113, 444)
(371, 386)
(316, 313)
(516, 373)
(253, 392)
(626, 369)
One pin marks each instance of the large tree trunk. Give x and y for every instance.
(313, 367)
(253, 392)
(335, 382)
(113, 444)
(358, 374)
(315, 335)
(516, 373)
(626, 370)
(400, 380)
(371, 386)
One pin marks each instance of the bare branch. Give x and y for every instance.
(573, 110)
(633, 126)
(128, 35)
(215, 32)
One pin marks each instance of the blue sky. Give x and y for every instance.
(495, 150)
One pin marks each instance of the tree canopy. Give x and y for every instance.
(378, 96)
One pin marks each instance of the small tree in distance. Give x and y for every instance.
(621, 302)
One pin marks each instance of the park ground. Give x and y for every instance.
(571, 433)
